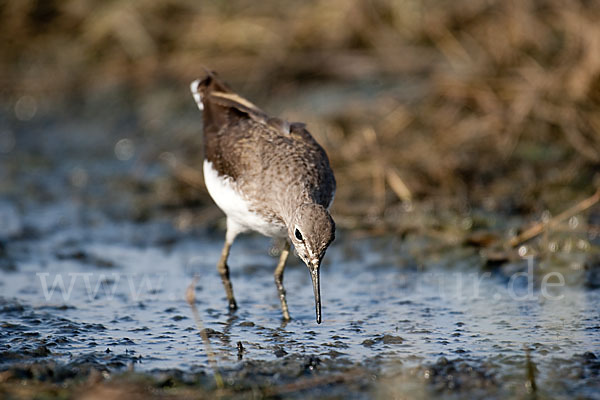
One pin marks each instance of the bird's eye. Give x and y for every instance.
(298, 234)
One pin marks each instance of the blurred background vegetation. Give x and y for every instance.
(465, 127)
(421, 104)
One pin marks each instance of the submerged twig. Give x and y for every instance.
(190, 297)
(531, 385)
(539, 227)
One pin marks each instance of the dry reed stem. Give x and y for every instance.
(190, 297)
(540, 227)
(398, 185)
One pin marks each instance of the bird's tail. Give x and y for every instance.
(202, 88)
(216, 99)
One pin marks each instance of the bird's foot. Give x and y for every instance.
(232, 305)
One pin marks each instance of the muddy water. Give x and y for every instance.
(84, 279)
(102, 289)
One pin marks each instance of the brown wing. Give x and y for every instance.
(269, 163)
(265, 156)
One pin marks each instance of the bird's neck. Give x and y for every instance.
(291, 201)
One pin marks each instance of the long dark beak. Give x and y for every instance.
(315, 269)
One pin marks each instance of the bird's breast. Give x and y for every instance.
(236, 206)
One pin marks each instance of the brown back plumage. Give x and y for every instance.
(271, 161)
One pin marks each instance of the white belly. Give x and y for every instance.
(239, 216)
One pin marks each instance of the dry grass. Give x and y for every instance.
(486, 102)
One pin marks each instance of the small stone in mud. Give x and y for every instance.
(333, 354)
(212, 333)
(41, 351)
(385, 339)
(452, 375)
(312, 363)
(390, 339)
(368, 342)
(280, 352)
(588, 355)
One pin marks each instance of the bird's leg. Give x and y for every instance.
(224, 272)
(279, 279)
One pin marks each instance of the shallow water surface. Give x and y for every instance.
(108, 293)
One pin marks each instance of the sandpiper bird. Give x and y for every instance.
(267, 175)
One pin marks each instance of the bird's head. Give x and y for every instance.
(311, 231)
